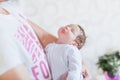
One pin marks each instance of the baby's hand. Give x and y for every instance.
(63, 77)
(85, 74)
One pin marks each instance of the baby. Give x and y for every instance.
(63, 56)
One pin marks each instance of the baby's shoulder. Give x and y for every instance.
(71, 48)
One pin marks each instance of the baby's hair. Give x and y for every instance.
(80, 39)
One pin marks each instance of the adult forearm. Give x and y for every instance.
(43, 36)
(17, 73)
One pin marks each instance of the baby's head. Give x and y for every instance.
(81, 38)
(72, 34)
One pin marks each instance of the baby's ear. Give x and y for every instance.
(74, 43)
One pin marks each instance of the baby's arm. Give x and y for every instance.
(74, 65)
(85, 73)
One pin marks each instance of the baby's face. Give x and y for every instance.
(68, 33)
